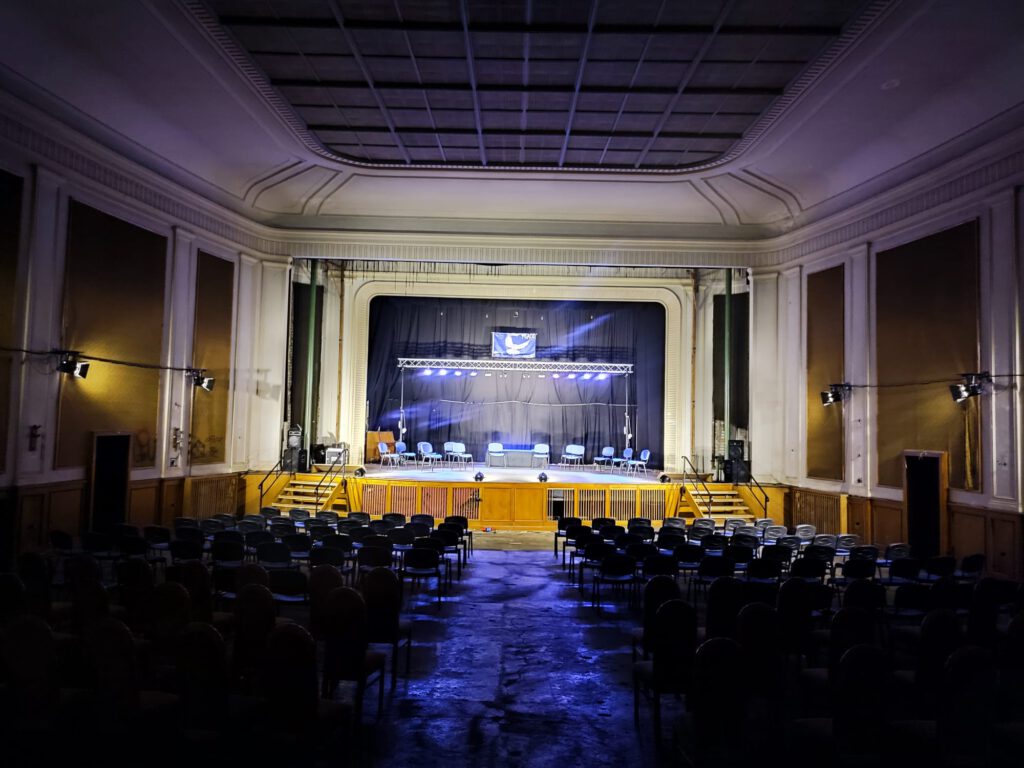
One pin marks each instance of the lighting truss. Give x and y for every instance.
(538, 366)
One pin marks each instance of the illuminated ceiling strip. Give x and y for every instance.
(543, 366)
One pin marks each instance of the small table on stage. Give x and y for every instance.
(515, 457)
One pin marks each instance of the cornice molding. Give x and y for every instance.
(76, 159)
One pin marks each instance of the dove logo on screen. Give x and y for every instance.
(513, 344)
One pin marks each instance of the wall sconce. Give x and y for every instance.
(972, 386)
(69, 363)
(836, 394)
(199, 379)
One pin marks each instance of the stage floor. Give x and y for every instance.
(556, 475)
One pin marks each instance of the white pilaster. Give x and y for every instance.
(793, 377)
(859, 369)
(766, 449)
(999, 329)
(267, 413)
(176, 413)
(243, 379)
(328, 421)
(39, 386)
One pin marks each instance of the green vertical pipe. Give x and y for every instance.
(310, 356)
(727, 359)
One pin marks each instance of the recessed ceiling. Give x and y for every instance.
(611, 85)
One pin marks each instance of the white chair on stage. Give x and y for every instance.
(623, 461)
(496, 451)
(605, 458)
(402, 452)
(572, 455)
(449, 451)
(461, 456)
(386, 456)
(639, 464)
(542, 454)
(427, 455)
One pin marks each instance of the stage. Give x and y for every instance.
(513, 498)
(556, 474)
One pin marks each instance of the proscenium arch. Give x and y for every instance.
(360, 288)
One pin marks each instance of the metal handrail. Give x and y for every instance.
(332, 471)
(693, 471)
(277, 468)
(752, 479)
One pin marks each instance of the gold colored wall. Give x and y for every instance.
(211, 349)
(113, 308)
(927, 321)
(826, 351)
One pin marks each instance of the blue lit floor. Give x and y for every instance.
(517, 670)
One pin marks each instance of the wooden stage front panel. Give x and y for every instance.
(511, 505)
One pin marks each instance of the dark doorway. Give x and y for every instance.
(111, 468)
(924, 490)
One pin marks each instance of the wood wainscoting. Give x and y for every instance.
(64, 506)
(998, 534)
(995, 533)
(825, 511)
(889, 521)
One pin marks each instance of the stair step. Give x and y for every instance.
(717, 509)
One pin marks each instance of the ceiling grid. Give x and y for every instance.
(607, 85)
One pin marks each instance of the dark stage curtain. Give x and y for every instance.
(511, 408)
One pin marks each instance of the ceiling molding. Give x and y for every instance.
(39, 139)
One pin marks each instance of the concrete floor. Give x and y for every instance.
(517, 670)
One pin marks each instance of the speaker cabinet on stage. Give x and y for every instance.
(295, 460)
(737, 470)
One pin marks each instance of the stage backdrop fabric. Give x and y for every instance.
(512, 408)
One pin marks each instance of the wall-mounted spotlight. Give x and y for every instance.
(69, 363)
(836, 394)
(542, 477)
(479, 477)
(200, 379)
(360, 472)
(972, 386)
(663, 478)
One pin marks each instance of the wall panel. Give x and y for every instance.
(113, 308)
(211, 350)
(889, 521)
(826, 352)
(927, 335)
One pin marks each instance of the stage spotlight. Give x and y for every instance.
(959, 392)
(479, 477)
(428, 371)
(360, 472)
(587, 376)
(199, 380)
(602, 376)
(663, 478)
(542, 477)
(69, 363)
(972, 386)
(458, 373)
(571, 376)
(442, 371)
(556, 376)
(836, 394)
(472, 373)
(488, 374)
(542, 376)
